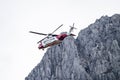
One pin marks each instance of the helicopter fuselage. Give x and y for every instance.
(52, 40)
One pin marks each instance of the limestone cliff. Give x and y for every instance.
(94, 55)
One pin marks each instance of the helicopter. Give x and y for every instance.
(53, 39)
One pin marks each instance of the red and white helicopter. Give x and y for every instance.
(53, 39)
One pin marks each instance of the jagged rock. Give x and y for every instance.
(94, 55)
(99, 45)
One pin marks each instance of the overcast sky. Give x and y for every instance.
(18, 48)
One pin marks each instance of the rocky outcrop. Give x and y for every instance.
(94, 55)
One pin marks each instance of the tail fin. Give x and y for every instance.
(71, 28)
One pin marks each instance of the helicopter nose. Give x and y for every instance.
(40, 46)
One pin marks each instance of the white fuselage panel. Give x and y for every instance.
(48, 40)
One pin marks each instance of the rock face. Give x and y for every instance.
(94, 55)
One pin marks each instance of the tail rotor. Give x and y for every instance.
(72, 28)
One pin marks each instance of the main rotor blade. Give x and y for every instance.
(37, 33)
(57, 28)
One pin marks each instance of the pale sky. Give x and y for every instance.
(19, 53)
